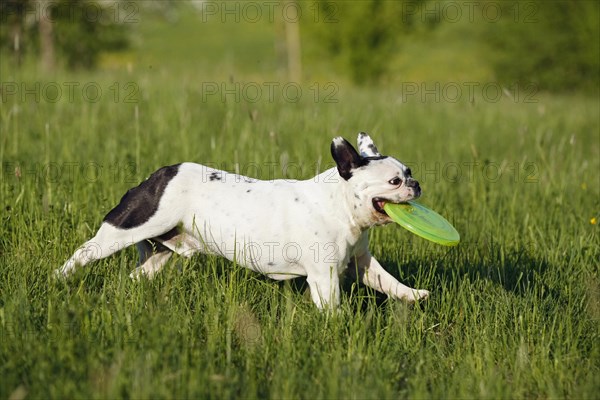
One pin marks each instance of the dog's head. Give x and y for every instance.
(374, 179)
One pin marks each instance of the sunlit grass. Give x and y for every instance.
(513, 311)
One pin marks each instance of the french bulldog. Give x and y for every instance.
(315, 228)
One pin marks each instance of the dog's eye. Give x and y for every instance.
(396, 181)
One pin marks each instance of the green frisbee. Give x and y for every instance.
(423, 222)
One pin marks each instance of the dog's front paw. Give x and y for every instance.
(58, 274)
(63, 272)
(418, 295)
(423, 294)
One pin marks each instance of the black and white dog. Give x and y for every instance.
(315, 228)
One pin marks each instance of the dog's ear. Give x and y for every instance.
(345, 156)
(366, 147)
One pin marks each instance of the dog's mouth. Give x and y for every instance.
(379, 203)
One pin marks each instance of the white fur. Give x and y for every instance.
(280, 228)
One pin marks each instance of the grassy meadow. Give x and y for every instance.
(514, 309)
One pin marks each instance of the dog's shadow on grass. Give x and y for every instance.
(516, 270)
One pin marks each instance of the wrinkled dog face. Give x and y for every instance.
(376, 179)
(386, 180)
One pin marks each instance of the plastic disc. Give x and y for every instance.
(423, 222)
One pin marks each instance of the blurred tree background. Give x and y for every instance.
(552, 44)
(75, 32)
(363, 35)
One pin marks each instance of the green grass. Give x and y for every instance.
(514, 309)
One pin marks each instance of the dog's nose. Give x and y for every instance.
(414, 185)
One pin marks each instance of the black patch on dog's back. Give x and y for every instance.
(141, 202)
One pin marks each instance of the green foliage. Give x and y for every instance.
(13, 23)
(514, 308)
(553, 44)
(362, 36)
(513, 311)
(84, 28)
(80, 29)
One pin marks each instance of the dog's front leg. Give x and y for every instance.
(324, 286)
(373, 275)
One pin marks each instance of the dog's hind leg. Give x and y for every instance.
(155, 252)
(137, 217)
(153, 256)
(108, 240)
